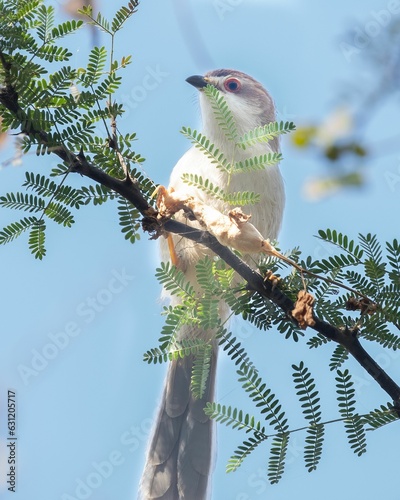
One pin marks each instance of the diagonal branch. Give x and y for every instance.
(255, 281)
(130, 189)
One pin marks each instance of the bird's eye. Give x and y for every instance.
(232, 85)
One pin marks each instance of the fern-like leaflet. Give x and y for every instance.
(201, 369)
(256, 163)
(20, 201)
(233, 417)
(243, 451)
(222, 112)
(128, 220)
(393, 251)
(37, 239)
(309, 399)
(46, 187)
(353, 423)
(270, 407)
(374, 266)
(339, 356)
(92, 74)
(174, 281)
(46, 22)
(381, 416)
(201, 142)
(234, 349)
(15, 229)
(241, 198)
(276, 463)
(265, 133)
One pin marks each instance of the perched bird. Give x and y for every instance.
(179, 458)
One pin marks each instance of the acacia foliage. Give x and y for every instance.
(77, 109)
(63, 106)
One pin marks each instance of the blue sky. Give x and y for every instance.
(75, 326)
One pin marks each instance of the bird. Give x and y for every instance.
(180, 455)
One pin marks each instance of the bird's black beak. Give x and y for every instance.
(197, 81)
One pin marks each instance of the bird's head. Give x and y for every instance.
(250, 104)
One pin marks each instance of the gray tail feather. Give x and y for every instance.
(180, 455)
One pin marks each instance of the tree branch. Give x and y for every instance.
(129, 189)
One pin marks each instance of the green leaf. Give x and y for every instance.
(243, 198)
(288, 328)
(234, 349)
(208, 312)
(375, 328)
(185, 347)
(342, 241)
(95, 68)
(59, 213)
(313, 446)
(264, 133)
(201, 370)
(52, 53)
(222, 113)
(242, 452)
(309, 399)
(256, 163)
(174, 281)
(308, 395)
(276, 463)
(317, 341)
(46, 187)
(393, 257)
(129, 220)
(100, 21)
(155, 355)
(46, 22)
(175, 318)
(97, 194)
(65, 114)
(373, 264)
(107, 87)
(353, 423)
(264, 398)
(359, 282)
(75, 136)
(336, 263)
(25, 11)
(204, 185)
(20, 201)
(339, 356)
(381, 416)
(57, 91)
(256, 309)
(37, 239)
(206, 278)
(122, 15)
(15, 229)
(232, 417)
(66, 28)
(201, 142)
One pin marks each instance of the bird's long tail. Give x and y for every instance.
(179, 457)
